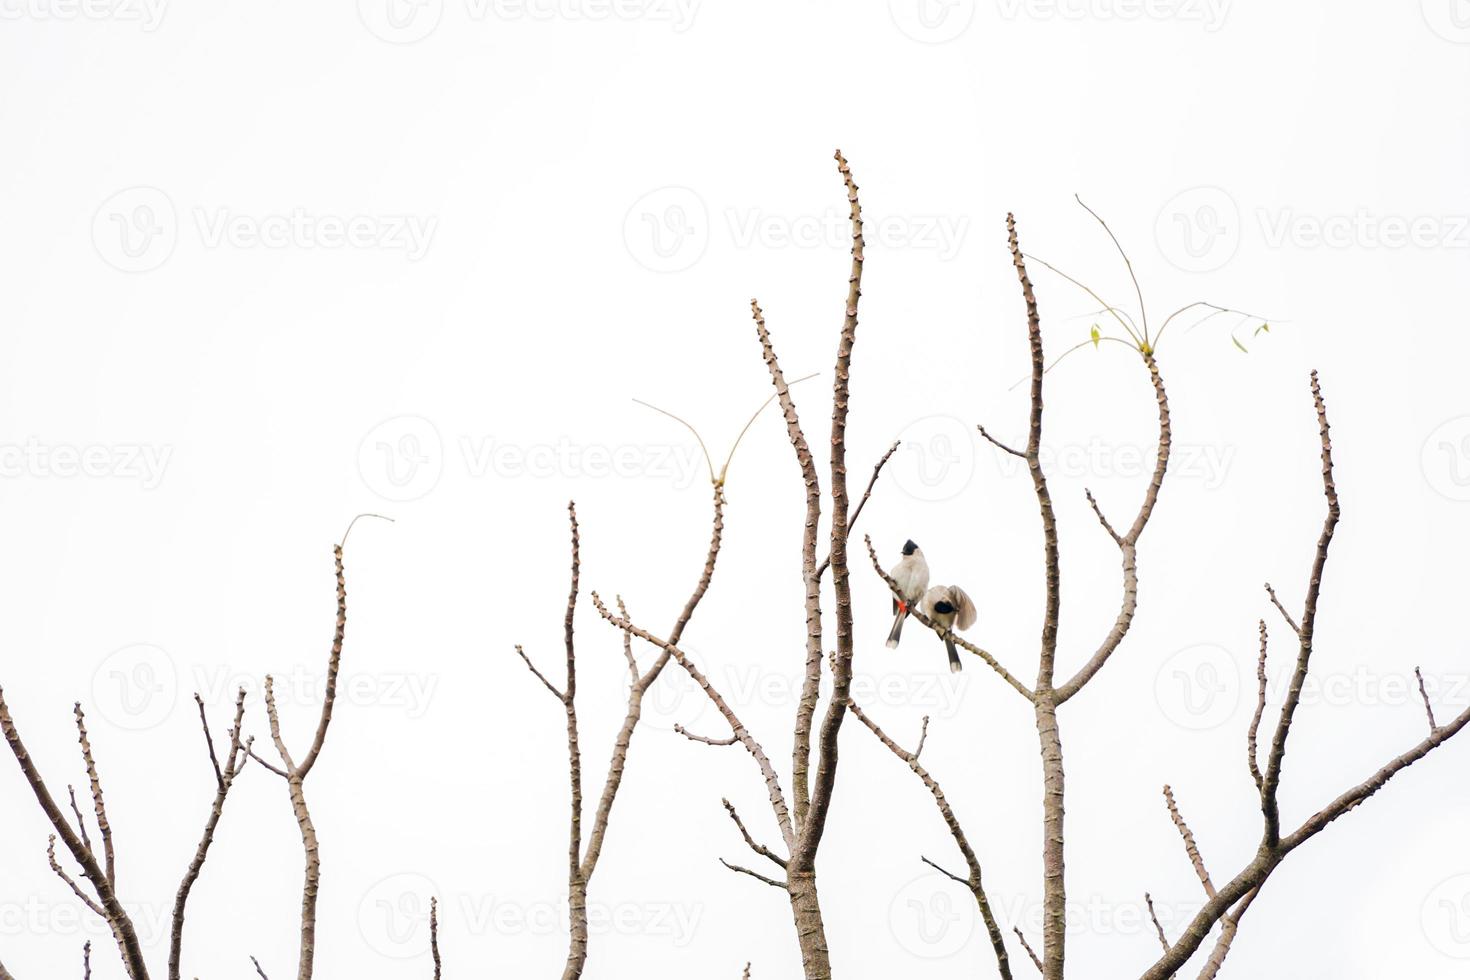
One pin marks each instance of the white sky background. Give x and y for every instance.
(262, 379)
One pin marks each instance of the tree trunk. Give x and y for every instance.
(577, 949)
(1054, 901)
(810, 932)
(311, 879)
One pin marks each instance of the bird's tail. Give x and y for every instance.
(894, 633)
(954, 656)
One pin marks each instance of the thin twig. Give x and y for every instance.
(1428, 708)
(1282, 609)
(1252, 755)
(1163, 939)
(754, 874)
(750, 842)
(703, 738)
(1027, 947)
(101, 809)
(1190, 847)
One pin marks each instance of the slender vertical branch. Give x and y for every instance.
(1272, 777)
(1252, 755)
(813, 827)
(1045, 696)
(224, 779)
(295, 775)
(806, 705)
(434, 934)
(103, 827)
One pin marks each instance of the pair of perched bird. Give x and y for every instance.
(947, 606)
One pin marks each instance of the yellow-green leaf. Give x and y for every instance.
(1096, 337)
(1263, 328)
(1237, 343)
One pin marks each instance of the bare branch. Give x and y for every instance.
(1029, 951)
(123, 931)
(1229, 926)
(703, 738)
(1252, 756)
(1282, 609)
(540, 676)
(70, 882)
(224, 780)
(295, 775)
(87, 960)
(633, 676)
(640, 686)
(773, 784)
(858, 510)
(258, 970)
(998, 444)
(750, 842)
(101, 809)
(77, 812)
(1163, 939)
(975, 881)
(434, 933)
(1274, 848)
(334, 663)
(1428, 708)
(1098, 511)
(1272, 777)
(754, 874)
(267, 765)
(1190, 847)
(1128, 542)
(946, 872)
(812, 671)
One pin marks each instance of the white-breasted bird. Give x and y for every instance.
(912, 575)
(950, 608)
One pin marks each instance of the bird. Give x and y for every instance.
(949, 607)
(912, 577)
